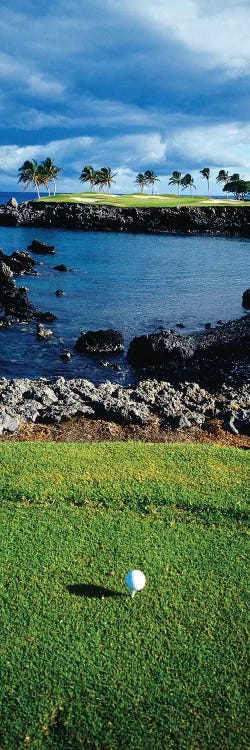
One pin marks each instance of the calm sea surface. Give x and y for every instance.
(134, 283)
(20, 197)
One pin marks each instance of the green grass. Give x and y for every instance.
(166, 670)
(141, 200)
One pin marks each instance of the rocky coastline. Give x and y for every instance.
(182, 381)
(225, 220)
(177, 408)
(218, 358)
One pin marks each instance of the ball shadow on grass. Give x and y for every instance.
(92, 591)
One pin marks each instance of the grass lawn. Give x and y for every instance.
(85, 667)
(141, 200)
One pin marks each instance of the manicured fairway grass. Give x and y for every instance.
(141, 200)
(167, 670)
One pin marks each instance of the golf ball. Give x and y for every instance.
(135, 581)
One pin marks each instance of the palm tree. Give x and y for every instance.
(206, 173)
(223, 176)
(88, 175)
(105, 177)
(51, 172)
(151, 178)
(141, 180)
(30, 174)
(44, 176)
(99, 179)
(175, 180)
(188, 181)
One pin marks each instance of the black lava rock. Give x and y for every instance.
(160, 348)
(219, 220)
(98, 342)
(41, 247)
(246, 298)
(61, 267)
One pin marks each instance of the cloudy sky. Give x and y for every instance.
(131, 84)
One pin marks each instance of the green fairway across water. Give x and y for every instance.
(142, 200)
(82, 664)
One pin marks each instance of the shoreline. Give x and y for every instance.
(186, 381)
(150, 406)
(84, 430)
(230, 220)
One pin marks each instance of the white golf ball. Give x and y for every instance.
(135, 581)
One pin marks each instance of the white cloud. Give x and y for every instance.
(216, 144)
(103, 112)
(217, 31)
(43, 87)
(11, 157)
(11, 69)
(142, 147)
(187, 149)
(36, 84)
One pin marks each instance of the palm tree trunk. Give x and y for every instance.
(37, 187)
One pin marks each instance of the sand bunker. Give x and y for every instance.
(149, 197)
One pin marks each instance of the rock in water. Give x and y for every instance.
(21, 263)
(167, 347)
(61, 267)
(246, 298)
(160, 348)
(6, 276)
(66, 356)
(42, 332)
(99, 342)
(41, 247)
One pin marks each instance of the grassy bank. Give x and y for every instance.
(140, 200)
(83, 665)
(122, 476)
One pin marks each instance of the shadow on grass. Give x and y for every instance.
(215, 515)
(92, 591)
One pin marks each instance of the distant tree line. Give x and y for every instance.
(38, 175)
(232, 183)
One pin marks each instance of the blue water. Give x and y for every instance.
(134, 283)
(21, 197)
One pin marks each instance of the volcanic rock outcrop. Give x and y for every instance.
(41, 247)
(100, 342)
(179, 407)
(167, 347)
(14, 300)
(246, 298)
(226, 220)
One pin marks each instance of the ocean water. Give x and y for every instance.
(21, 197)
(136, 284)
